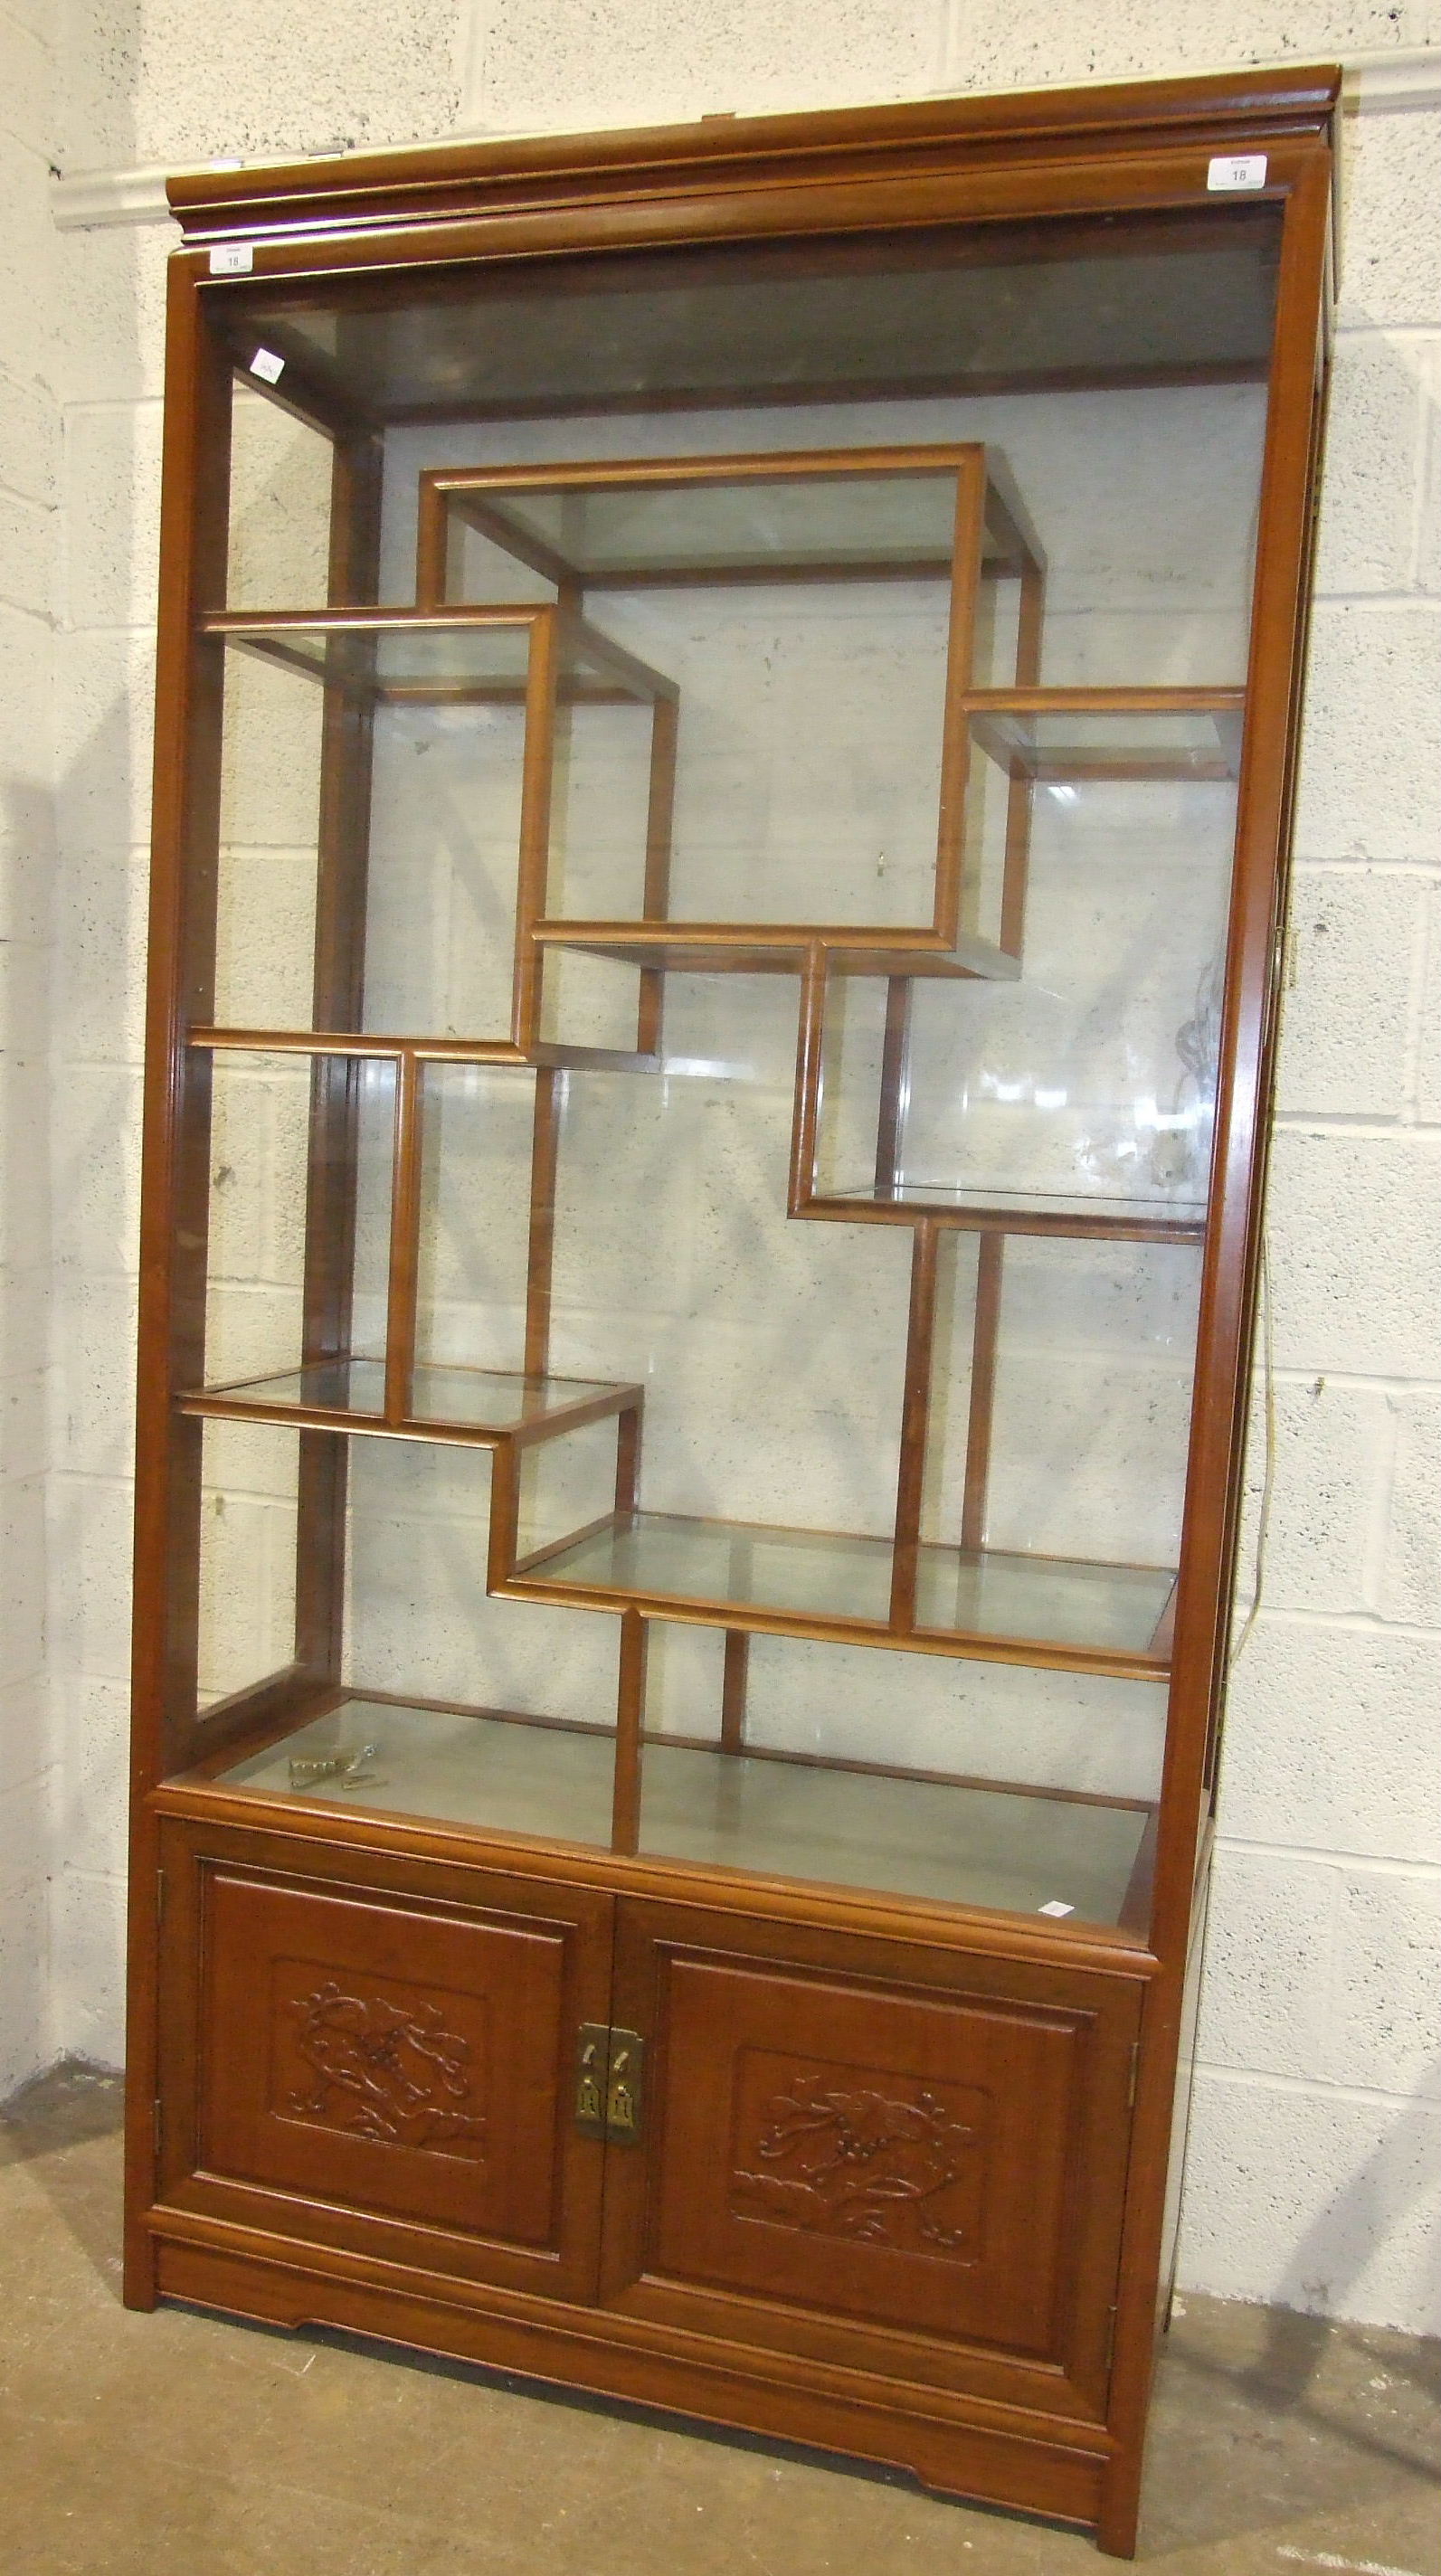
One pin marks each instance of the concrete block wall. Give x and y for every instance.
(142, 83)
(1313, 2167)
(1316, 2143)
(29, 462)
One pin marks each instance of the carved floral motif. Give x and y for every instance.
(856, 2163)
(386, 2072)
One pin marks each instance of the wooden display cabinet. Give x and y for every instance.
(726, 711)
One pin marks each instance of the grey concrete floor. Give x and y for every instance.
(180, 2445)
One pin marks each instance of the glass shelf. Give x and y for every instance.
(661, 1557)
(964, 1845)
(1064, 744)
(555, 1781)
(724, 523)
(956, 1842)
(442, 1397)
(1027, 1211)
(1027, 307)
(772, 948)
(426, 658)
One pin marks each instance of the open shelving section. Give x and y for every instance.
(937, 516)
(949, 520)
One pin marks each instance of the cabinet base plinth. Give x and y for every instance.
(963, 2461)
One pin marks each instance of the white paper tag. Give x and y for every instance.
(232, 259)
(1248, 170)
(266, 364)
(1055, 1907)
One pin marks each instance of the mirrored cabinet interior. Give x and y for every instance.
(725, 725)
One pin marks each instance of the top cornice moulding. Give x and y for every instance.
(1380, 83)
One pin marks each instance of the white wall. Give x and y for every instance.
(29, 458)
(1313, 2174)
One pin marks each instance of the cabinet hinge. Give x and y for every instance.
(609, 2065)
(159, 1898)
(1135, 2063)
(1110, 2341)
(157, 2121)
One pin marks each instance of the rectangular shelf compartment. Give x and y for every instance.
(1027, 1212)
(947, 1840)
(862, 515)
(447, 1401)
(473, 656)
(1065, 737)
(1065, 1610)
(776, 948)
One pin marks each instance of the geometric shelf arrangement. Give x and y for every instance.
(947, 516)
(934, 515)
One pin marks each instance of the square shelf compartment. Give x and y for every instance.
(1079, 1098)
(711, 569)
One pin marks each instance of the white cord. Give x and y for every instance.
(1268, 1383)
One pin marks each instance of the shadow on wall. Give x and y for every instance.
(1375, 2204)
(1289, 2375)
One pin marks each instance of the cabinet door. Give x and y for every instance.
(379, 2055)
(898, 2158)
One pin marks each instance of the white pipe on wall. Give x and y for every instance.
(1382, 83)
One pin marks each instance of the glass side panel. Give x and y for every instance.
(465, 1768)
(964, 1845)
(301, 1150)
(1086, 1087)
(768, 798)
(272, 757)
(250, 1512)
(783, 810)
(407, 1522)
(609, 857)
(566, 1484)
(281, 489)
(420, 858)
(789, 526)
(772, 1352)
(1061, 1377)
(477, 1143)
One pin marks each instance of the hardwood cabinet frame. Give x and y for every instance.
(1104, 2010)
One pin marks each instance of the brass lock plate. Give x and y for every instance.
(608, 2074)
(623, 2092)
(592, 2070)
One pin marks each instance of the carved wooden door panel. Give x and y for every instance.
(377, 2054)
(902, 2158)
